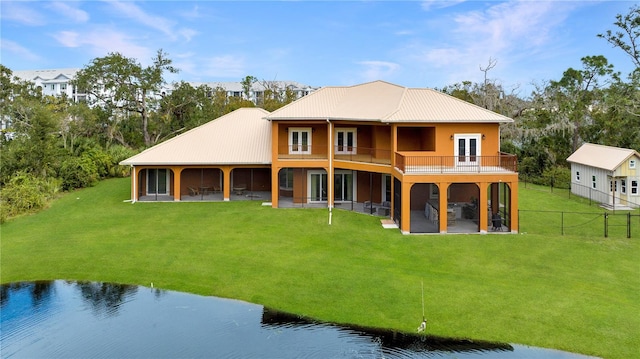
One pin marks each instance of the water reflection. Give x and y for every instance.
(61, 319)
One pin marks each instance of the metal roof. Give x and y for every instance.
(600, 156)
(45, 75)
(384, 102)
(239, 137)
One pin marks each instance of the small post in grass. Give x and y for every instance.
(423, 325)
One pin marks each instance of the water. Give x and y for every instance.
(58, 319)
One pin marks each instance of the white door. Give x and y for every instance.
(467, 149)
(317, 189)
(615, 194)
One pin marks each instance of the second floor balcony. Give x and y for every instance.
(414, 162)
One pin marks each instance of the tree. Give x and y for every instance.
(574, 98)
(126, 89)
(627, 38)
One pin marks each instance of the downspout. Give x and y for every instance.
(330, 174)
(135, 186)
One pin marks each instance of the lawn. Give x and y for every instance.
(573, 292)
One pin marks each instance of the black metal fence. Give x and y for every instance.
(586, 224)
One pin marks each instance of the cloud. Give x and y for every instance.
(507, 32)
(7, 46)
(225, 66)
(18, 12)
(376, 70)
(101, 41)
(69, 12)
(135, 13)
(439, 4)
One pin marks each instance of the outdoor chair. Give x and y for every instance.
(193, 191)
(496, 219)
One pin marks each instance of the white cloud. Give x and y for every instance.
(507, 32)
(10, 47)
(69, 12)
(134, 12)
(225, 66)
(188, 34)
(101, 41)
(376, 70)
(439, 4)
(19, 12)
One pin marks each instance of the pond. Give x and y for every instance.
(60, 319)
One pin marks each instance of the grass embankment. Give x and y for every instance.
(566, 292)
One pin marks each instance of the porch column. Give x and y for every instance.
(275, 186)
(483, 206)
(443, 189)
(406, 207)
(177, 173)
(226, 185)
(513, 211)
(135, 183)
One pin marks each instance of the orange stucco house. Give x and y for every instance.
(428, 161)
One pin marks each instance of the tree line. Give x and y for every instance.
(53, 144)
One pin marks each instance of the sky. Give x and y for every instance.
(320, 43)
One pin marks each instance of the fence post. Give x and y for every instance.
(606, 225)
(628, 224)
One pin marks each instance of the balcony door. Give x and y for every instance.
(345, 140)
(467, 149)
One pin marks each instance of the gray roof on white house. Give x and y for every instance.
(239, 137)
(46, 75)
(600, 156)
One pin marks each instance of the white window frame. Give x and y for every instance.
(309, 186)
(342, 173)
(623, 185)
(634, 187)
(297, 148)
(345, 148)
(632, 164)
(468, 158)
(577, 176)
(593, 182)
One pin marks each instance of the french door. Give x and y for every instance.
(317, 186)
(343, 186)
(157, 181)
(467, 149)
(346, 140)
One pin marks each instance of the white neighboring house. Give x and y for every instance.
(54, 82)
(608, 175)
(235, 89)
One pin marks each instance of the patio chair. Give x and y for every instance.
(193, 191)
(496, 219)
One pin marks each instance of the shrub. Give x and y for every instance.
(118, 153)
(26, 193)
(78, 172)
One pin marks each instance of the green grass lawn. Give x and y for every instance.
(573, 292)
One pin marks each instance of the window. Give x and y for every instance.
(299, 141)
(577, 176)
(286, 178)
(632, 163)
(345, 140)
(634, 187)
(593, 181)
(63, 87)
(623, 186)
(53, 86)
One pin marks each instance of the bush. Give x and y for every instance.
(558, 177)
(26, 193)
(78, 172)
(118, 153)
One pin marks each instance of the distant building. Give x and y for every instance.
(608, 175)
(56, 82)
